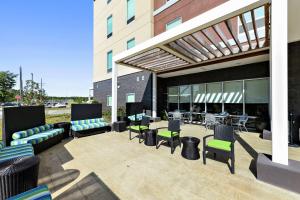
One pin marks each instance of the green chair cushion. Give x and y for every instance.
(139, 128)
(166, 133)
(219, 144)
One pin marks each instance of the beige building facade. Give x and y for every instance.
(139, 29)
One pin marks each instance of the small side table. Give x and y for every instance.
(150, 137)
(190, 149)
(119, 126)
(66, 126)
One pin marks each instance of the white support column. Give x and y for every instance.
(154, 95)
(279, 81)
(114, 92)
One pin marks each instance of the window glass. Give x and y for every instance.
(109, 61)
(198, 99)
(214, 93)
(173, 98)
(173, 23)
(109, 26)
(185, 98)
(130, 10)
(257, 91)
(108, 1)
(130, 98)
(109, 100)
(233, 97)
(130, 43)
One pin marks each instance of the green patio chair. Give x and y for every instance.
(140, 129)
(170, 135)
(222, 144)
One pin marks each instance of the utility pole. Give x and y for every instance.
(31, 82)
(21, 83)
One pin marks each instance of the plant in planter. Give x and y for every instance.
(121, 114)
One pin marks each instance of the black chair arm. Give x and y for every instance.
(204, 140)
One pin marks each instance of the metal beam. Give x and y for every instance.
(236, 40)
(195, 44)
(220, 34)
(216, 44)
(177, 54)
(255, 28)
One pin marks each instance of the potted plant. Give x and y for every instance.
(121, 114)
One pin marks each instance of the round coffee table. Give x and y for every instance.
(150, 137)
(190, 149)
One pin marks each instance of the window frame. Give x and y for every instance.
(132, 39)
(109, 70)
(172, 21)
(108, 35)
(107, 100)
(129, 20)
(128, 94)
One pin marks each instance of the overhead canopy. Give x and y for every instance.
(232, 30)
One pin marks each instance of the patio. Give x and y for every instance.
(110, 166)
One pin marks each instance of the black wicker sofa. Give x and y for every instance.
(26, 122)
(86, 120)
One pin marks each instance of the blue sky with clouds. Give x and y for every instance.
(53, 39)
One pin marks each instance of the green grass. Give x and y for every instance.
(50, 119)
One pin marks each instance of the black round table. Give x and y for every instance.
(190, 149)
(66, 127)
(150, 137)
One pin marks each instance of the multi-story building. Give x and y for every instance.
(120, 25)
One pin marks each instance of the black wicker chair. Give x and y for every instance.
(140, 128)
(222, 143)
(18, 175)
(170, 135)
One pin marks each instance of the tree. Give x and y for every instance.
(32, 93)
(7, 82)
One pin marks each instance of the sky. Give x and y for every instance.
(53, 39)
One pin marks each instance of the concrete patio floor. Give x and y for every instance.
(110, 166)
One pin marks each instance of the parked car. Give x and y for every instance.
(60, 105)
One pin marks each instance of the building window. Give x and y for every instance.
(108, 100)
(130, 43)
(109, 61)
(173, 23)
(130, 10)
(109, 26)
(130, 97)
(108, 1)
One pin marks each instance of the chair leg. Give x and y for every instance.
(246, 128)
(232, 165)
(215, 156)
(129, 134)
(157, 142)
(172, 146)
(140, 136)
(204, 157)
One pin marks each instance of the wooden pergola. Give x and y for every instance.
(212, 38)
(210, 43)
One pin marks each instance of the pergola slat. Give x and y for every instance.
(149, 58)
(216, 44)
(220, 34)
(255, 28)
(234, 36)
(181, 64)
(183, 51)
(170, 50)
(161, 63)
(168, 57)
(205, 44)
(246, 30)
(142, 54)
(191, 49)
(267, 23)
(194, 43)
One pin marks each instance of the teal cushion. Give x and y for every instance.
(1, 145)
(39, 193)
(87, 121)
(138, 117)
(138, 128)
(219, 144)
(32, 131)
(11, 152)
(39, 137)
(166, 133)
(81, 127)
